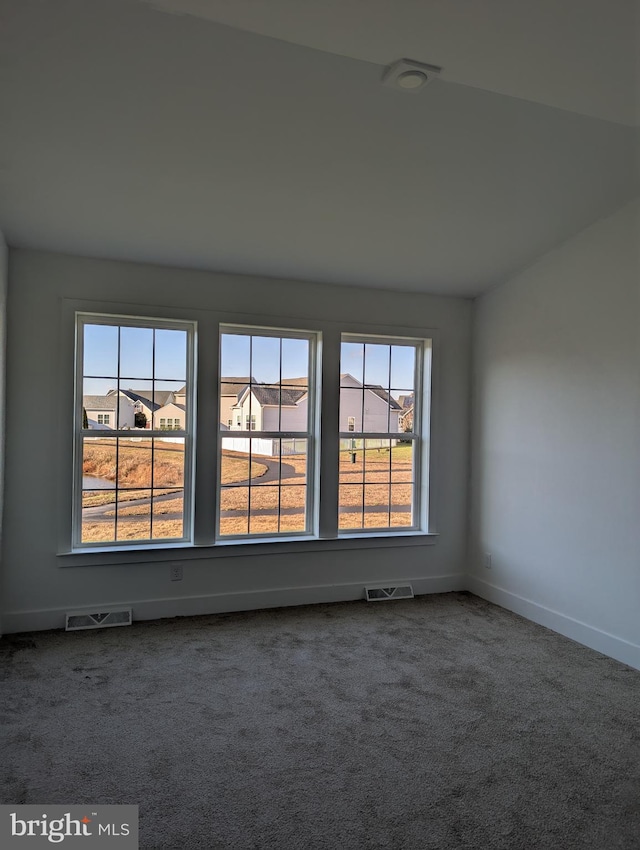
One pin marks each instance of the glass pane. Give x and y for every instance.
(100, 351)
(169, 398)
(376, 364)
(295, 362)
(350, 503)
(168, 514)
(234, 466)
(134, 516)
(293, 462)
(402, 417)
(136, 353)
(235, 360)
(136, 397)
(230, 393)
(293, 508)
(265, 359)
(402, 462)
(351, 401)
(134, 463)
(98, 463)
(351, 462)
(287, 469)
(168, 462)
(99, 386)
(234, 510)
(377, 461)
(352, 361)
(264, 509)
(98, 516)
(377, 403)
(294, 409)
(401, 504)
(171, 355)
(99, 411)
(403, 366)
(376, 505)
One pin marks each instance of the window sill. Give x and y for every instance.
(168, 552)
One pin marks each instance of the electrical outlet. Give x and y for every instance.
(175, 572)
(487, 560)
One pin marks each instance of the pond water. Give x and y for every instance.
(91, 482)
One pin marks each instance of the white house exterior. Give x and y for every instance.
(170, 417)
(286, 409)
(374, 410)
(166, 411)
(106, 411)
(230, 388)
(261, 408)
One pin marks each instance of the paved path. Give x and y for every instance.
(275, 472)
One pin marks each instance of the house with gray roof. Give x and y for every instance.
(108, 411)
(284, 407)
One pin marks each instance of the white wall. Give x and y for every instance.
(40, 365)
(556, 447)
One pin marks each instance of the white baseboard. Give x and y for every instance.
(222, 603)
(607, 644)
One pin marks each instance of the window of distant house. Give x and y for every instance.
(132, 483)
(380, 460)
(266, 469)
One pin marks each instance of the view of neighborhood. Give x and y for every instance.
(133, 482)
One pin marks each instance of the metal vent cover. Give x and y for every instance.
(98, 619)
(382, 594)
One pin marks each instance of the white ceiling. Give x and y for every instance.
(270, 147)
(579, 55)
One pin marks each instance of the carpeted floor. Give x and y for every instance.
(441, 722)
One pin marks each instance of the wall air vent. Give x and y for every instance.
(382, 594)
(98, 619)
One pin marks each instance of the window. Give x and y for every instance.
(131, 488)
(265, 481)
(266, 467)
(380, 463)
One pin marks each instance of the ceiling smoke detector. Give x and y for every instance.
(409, 76)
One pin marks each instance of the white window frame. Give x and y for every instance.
(202, 493)
(420, 428)
(103, 419)
(115, 320)
(311, 434)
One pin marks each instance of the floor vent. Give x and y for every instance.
(100, 620)
(381, 594)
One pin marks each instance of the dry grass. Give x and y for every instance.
(368, 477)
(103, 532)
(169, 506)
(95, 498)
(235, 467)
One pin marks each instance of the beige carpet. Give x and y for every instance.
(441, 722)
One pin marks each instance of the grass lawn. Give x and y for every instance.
(379, 479)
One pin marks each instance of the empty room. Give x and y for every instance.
(320, 424)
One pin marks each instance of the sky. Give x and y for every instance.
(266, 359)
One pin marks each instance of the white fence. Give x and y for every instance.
(264, 447)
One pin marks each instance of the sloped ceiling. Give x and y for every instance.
(578, 55)
(255, 137)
